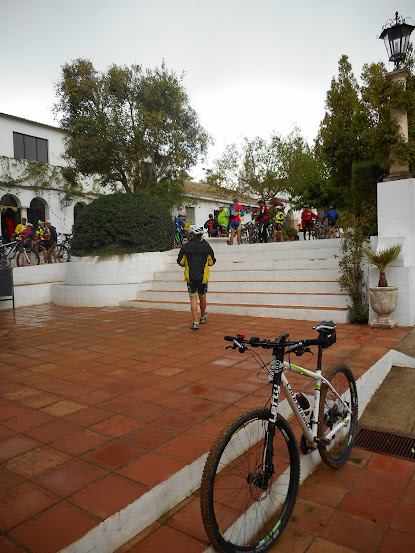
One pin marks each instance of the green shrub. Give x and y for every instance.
(123, 223)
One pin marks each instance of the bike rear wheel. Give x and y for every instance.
(62, 254)
(332, 411)
(238, 514)
(27, 257)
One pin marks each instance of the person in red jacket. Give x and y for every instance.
(307, 217)
(263, 221)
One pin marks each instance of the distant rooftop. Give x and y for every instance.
(30, 121)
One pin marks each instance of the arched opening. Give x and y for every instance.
(9, 216)
(78, 207)
(36, 211)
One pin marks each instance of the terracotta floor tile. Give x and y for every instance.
(53, 430)
(94, 397)
(396, 541)
(16, 445)
(109, 495)
(189, 521)
(80, 442)
(116, 425)
(177, 542)
(115, 454)
(404, 518)
(5, 432)
(315, 490)
(118, 404)
(150, 436)
(36, 461)
(409, 496)
(392, 465)
(309, 517)
(22, 502)
(358, 534)
(70, 477)
(89, 416)
(6, 546)
(9, 410)
(204, 407)
(146, 393)
(374, 507)
(151, 469)
(63, 408)
(344, 477)
(8, 479)
(323, 546)
(179, 420)
(27, 420)
(55, 528)
(147, 412)
(389, 485)
(185, 448)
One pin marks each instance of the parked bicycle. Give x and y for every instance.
(61, 252)
(25, 254)
(251, 477)
(319, 231)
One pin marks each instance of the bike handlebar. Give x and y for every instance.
(256, 342)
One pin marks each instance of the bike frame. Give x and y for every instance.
(278, 378)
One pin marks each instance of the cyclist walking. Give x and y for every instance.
(331, 217)
(196, 256)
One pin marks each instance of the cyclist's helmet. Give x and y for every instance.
(261, 201)
(331, 207)
(196, 230)
(306, 207)
(40, 223)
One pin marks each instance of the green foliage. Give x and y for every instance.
(123, 223)
(133, 127)
(291, 231)
(382, 258)
(352, 278)
(267, 167)
(364, 178)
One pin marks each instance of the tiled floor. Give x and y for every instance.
(98, 405)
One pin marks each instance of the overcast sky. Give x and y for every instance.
(251, 67)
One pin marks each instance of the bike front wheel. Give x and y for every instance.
(332, 411)
(27, 257)
(239, 512)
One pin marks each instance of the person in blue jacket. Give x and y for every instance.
(332, 217)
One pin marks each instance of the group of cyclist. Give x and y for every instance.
(230, 222)
(43, 240)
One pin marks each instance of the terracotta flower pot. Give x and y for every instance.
(383, 301)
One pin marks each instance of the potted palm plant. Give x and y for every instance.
(383, 298)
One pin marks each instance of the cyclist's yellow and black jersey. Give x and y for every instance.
(196, 256)
(279, 217)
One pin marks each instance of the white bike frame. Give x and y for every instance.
(310, 428)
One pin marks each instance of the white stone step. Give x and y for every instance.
(259, 275)
(294, 312)
(250, 298)
(286, 286)
(272, 262)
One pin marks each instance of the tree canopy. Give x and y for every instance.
(131, 126)
(267, 167)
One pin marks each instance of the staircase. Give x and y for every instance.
(288, 280)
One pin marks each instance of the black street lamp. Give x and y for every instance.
(396, 35)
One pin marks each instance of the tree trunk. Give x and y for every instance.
(382, 279)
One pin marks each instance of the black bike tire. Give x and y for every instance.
(345, 444)
(63, 254)
(284, 437)
(5, 262)
(33, 256)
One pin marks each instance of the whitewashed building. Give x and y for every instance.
(32, 185)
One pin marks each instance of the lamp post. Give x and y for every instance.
(396, 34)
(66, 201)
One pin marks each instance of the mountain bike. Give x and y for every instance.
(61, 249)
(251, 476)
(320, 230)
(25, 254)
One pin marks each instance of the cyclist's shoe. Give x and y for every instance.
(194, 326)
(203, 319)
